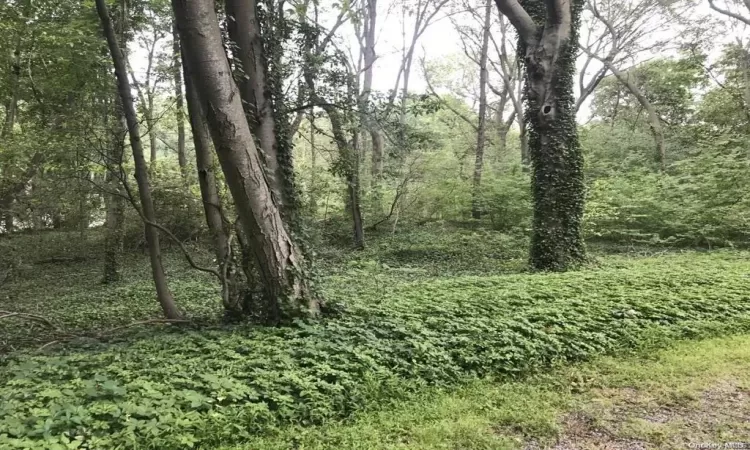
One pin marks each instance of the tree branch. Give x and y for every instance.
(520, 19)
(728, 13)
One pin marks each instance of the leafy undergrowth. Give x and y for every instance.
(400, 330)
(55, 275)
(693, 393)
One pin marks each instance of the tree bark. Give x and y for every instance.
(549, 42)
(244, 30)
(114, 201)
(279, 259)
(476, 201)
(15, 76)
(212, 206)
(370, 15)
(179, 101)
(141, 169)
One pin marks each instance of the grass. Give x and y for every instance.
(691, 393)
(420, 315)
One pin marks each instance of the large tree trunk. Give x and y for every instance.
(212, 207)
(141, 168)
(244, 30)
(476, 201)
(548, 37)
(179, 102)
(279, 259)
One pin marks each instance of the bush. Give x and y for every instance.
(183, 388)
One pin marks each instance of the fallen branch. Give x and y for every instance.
(31, 317)
(65, 336)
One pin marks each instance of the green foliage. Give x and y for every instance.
(667, 83)
(397, 328)
(701, 201)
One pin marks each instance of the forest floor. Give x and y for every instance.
(440, 340)
(695, 394)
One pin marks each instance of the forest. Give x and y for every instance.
(374, 224)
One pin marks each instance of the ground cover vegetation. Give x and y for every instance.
(221, 228)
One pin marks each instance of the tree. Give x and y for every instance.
(618, 32)
(508, 68)
(244, 27)
(280, 260)
(322, 64)
(476, 209)
(179, 100)
(366, 36)
(212, 206)
(548, 41)
(163, 293)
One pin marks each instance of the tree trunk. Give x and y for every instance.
(15, 76)
(476, 201)
(523, 138)
(210, 195)
(653, 118)
(114, 201)
(141, 169)
(548, 39)
(348, 155)
(179, 102)
(370, 14)
(279, 259)
(151, 124)
(353, 193)
(313, 189)
(244, 30)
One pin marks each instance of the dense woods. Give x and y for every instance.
(351, 202)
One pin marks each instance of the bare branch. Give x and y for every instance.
(728, 13)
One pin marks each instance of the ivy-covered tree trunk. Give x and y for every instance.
(548, 37)
(163, 293)
(280, 261)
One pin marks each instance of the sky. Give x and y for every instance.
(441, 40)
